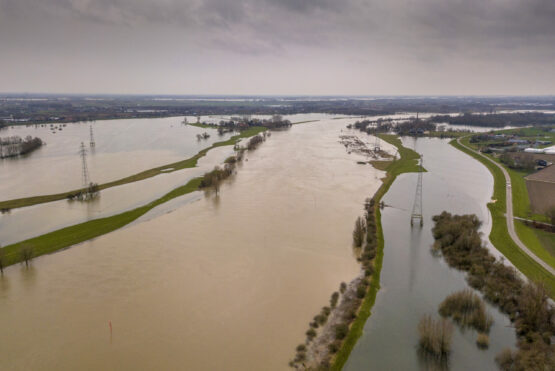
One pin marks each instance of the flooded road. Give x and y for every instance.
(226, 282)
(413, 281)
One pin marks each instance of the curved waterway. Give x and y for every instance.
(228, 282)
(413, 281)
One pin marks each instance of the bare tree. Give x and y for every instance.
(27, 254)
(2, 259)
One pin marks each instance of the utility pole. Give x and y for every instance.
(92, 143)
(83, 153)
(417, 207)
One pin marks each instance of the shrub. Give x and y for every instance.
(334, 347)
(361, 291)
(341, 331)
(301, 348)
(482, 341)
(467, 309)
(359, 231)
(435, 336)
(333, 300)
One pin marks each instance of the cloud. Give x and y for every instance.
(420, 36)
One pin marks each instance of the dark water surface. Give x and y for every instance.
(413, 281)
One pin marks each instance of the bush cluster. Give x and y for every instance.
(527, 304)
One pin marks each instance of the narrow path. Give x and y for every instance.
(509, 213)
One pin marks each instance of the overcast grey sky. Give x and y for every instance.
(327, 47)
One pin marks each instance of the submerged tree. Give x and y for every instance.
(27, 255)
(359, 231)
(2, 258)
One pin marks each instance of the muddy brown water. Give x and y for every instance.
(228, 282)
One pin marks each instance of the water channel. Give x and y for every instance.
(413, 281)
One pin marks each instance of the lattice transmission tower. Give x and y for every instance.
(83, 154)
(417, 206)
(377, 144)
(92, 142)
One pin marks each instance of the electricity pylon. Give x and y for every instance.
(417, 207)
(83, 153)
(92, 143)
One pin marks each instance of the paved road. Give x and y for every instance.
(509, 213)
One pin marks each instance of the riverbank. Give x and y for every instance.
(499, 235)
(69, 236)
(319, 349)
(165, 169)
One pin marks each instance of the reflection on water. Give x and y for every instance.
(220, 282)
(413, 281)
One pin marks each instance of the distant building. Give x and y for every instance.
(518, 141)
(541, 189)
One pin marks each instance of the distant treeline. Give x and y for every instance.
(33, 109)
(497, 119)
(15, 146)
(411, 127)
(242, 123)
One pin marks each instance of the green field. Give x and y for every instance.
(169, 168)
(406, 164)
(499, 235)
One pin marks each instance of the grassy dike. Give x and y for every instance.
(165, 169)
(406, 164)
(499, 235)
(69, 236)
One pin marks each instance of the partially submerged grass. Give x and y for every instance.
(165, 169)
(66, 237)
(78, 233)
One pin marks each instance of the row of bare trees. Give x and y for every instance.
(15, 145)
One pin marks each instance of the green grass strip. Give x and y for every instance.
(165, 169)
(407, 163)
(499, 235)
(66, 237)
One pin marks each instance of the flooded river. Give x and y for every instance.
(413, 282)
(228, 282)
(122, 148)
